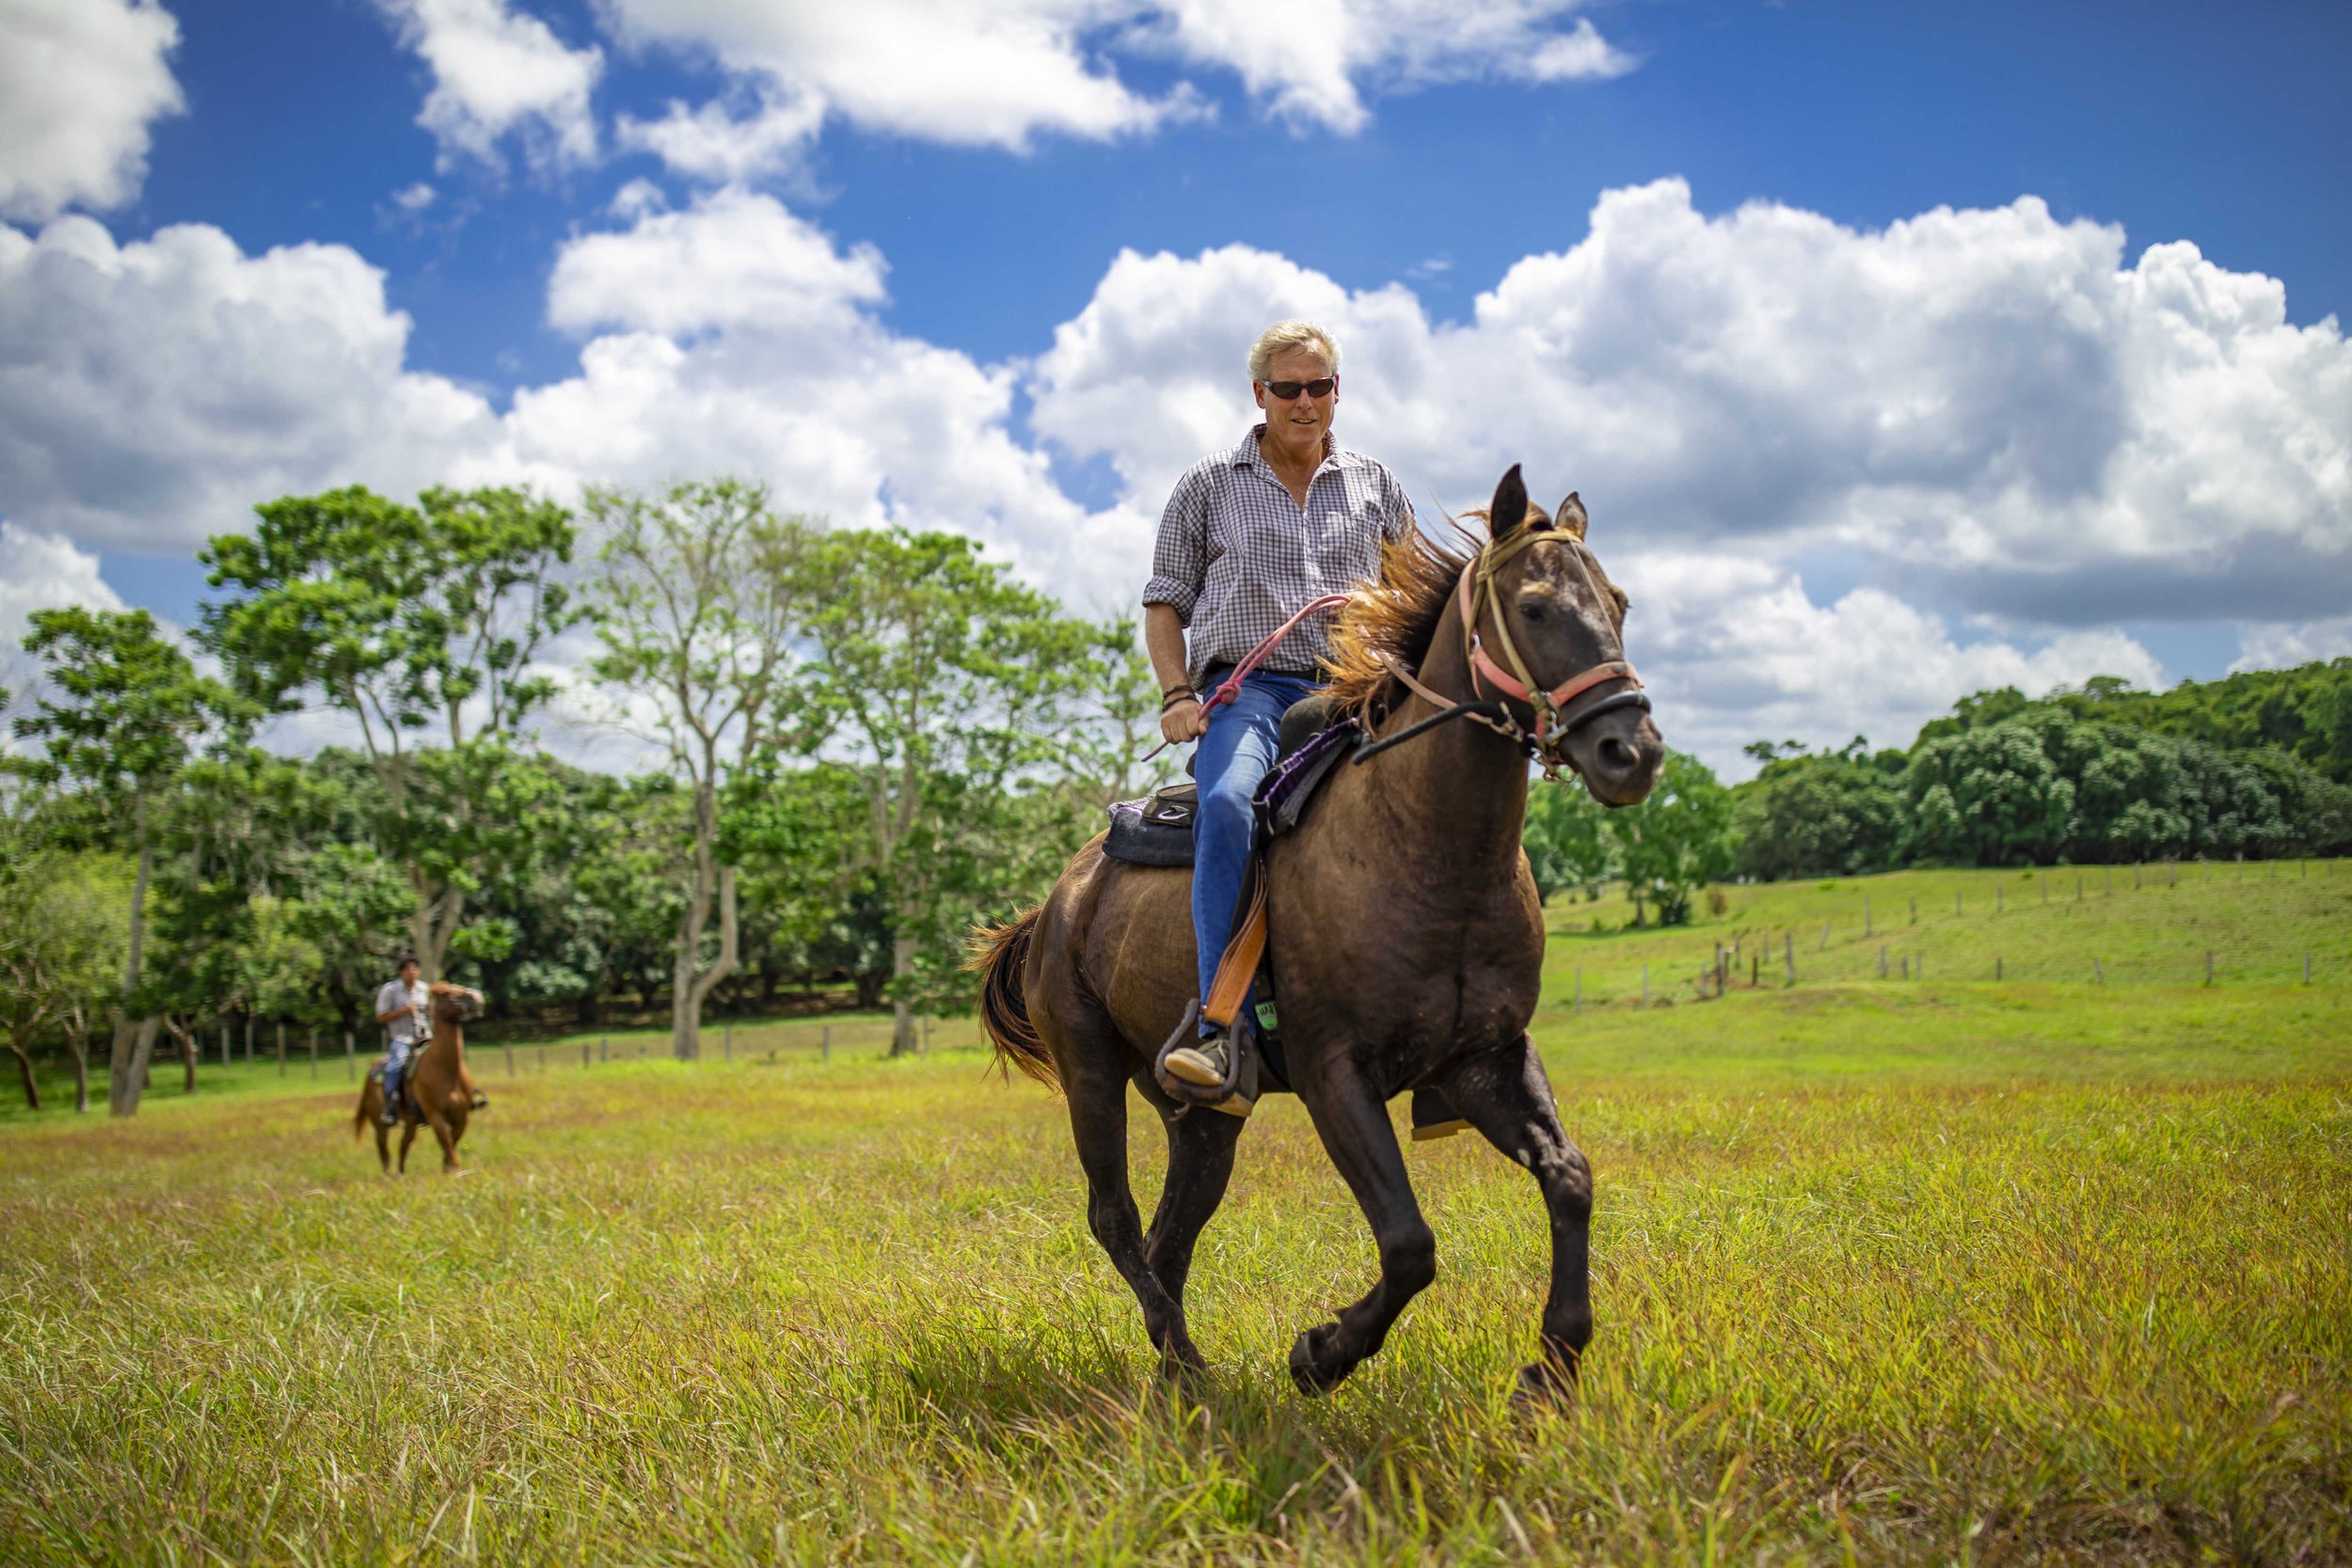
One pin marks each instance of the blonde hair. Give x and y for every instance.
(1291, 334)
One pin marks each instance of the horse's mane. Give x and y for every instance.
(1394, 617)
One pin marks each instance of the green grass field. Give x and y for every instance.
(1942, 1270)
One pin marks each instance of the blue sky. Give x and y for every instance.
(2055, 481)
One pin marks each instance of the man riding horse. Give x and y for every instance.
(1251, 539)
(401, 1007)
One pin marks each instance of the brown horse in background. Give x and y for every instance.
(440, 1091)
(1406, 936)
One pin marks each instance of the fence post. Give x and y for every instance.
(508, 1048)
(587, 1054)
(2306, 966)
(1998, 902)
(2098, 971)
(351, 1058)
(1824, 947)
(1646, 985)
(1756, 969)
(248, 1040)
(2135, 875)
(2209, 966)
(1865, 914)
(824, 1043)
(1996, 966)
(1906, 966)
(225, 1057)
(1788, 954)
(604, 1048)
(2045, 881)
(314, 1053)
(1914, 912)
(281, 1048)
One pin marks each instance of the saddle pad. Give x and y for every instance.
(1283, 793)
(1139, 840)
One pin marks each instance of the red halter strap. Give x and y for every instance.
(1484, 670)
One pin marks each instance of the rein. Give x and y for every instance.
(1554, 719)
(1230, 687)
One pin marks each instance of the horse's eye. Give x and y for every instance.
(1531, 611)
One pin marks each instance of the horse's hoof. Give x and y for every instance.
(1544, 1386)
(1310, 1370)
(1183, 1367)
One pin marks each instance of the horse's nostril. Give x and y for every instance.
(1616, 756)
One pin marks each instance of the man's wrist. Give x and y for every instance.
(1177, 697)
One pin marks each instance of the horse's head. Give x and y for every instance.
(1548, 619)
(455, 1004)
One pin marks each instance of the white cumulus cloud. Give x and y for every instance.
(150, 393)
(41, 571)
(80, 83)
(499, 71)
(1988, 408)
(1002, 74)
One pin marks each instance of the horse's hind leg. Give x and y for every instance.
(383, 1143)
(1098, 1122)
(1503, 1094)
(1199, 1163)
(1354, 1124)
(408, 1136)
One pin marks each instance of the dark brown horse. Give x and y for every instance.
(1406, 935)
(440, 1091)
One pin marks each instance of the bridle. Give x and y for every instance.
(1554, 712)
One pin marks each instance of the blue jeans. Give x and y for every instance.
(395, 1058)
(1228, 764)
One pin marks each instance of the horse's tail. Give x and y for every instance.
(1000, 952)
(359, 1114)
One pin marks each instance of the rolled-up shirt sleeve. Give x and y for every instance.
(1180, 555)
(1396, 510)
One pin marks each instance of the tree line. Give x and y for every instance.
(2255, 766)
(859, 741)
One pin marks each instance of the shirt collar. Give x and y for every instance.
(1248, 452)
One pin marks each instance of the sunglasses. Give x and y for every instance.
(1283, 392)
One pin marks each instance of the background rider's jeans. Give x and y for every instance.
(395, 1058)
(1228, 764)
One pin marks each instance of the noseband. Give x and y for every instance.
(1554, 719)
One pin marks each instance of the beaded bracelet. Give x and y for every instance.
(1169, 699)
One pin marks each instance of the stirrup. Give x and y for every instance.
(1237, 1093)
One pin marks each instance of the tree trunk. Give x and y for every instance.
(126, 1074)
(126, 1067)
(25, 1069)
(689, 985)
(902, 1036)
(77, 1045)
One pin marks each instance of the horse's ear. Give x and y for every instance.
(1571, 515)
(1509, 508)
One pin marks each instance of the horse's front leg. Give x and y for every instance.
(1199, 1163)
(1354, 1124)
(1503, 1094)
(446, 1138)
(408, 1136)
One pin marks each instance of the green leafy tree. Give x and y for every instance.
(1566, 840)
(1839, 812)
(956, 698)
(702, 595)
(1676, 842)
(127, 710)
(410, 620)
(64, 921)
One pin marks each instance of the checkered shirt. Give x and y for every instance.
(1235, 557)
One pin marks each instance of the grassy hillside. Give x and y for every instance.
(1945, 1272)
(2142, 926)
